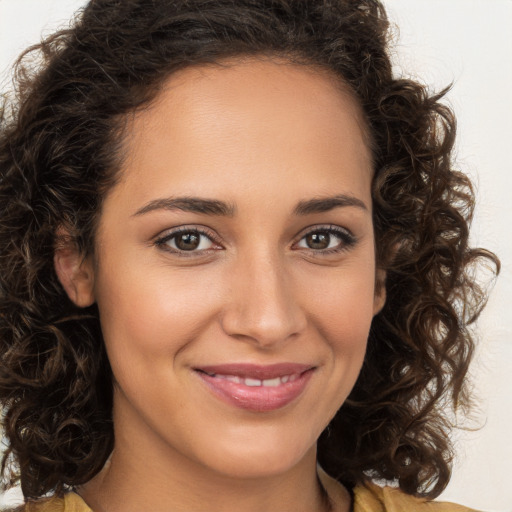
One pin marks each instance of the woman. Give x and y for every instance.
(234, 266)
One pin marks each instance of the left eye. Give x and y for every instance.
(187, 241)
(325, 239)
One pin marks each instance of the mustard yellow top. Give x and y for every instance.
(367, 498)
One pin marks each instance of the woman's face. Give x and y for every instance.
(235, 270)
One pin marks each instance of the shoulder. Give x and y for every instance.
(70, 502)
(369, 497)
(372, 498)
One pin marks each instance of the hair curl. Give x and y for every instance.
(60, 153)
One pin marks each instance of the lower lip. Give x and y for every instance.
(257, 398)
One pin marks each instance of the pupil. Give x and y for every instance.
(187, 241)
(318, 240)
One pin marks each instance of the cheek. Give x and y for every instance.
(341, 315)
(341, 304)
(341, 308)
(148, 314)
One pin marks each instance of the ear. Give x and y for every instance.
(379, 298)
(75, 273)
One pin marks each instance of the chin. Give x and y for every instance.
(259, 459)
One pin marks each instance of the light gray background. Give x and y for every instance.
(468, 42)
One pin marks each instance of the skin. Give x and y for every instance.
(261, 136)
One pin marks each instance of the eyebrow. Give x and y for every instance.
(325, 204)
(221, 208)
(189, 204)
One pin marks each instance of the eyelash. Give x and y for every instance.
(347, 240)
(162, 242)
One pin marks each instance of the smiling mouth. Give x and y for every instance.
(257, 388)
(251, 382)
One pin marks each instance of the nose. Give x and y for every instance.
(264, 304)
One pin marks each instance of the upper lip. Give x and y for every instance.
(256, 371)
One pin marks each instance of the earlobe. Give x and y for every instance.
(379, 298)
(75, 272)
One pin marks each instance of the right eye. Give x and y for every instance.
(186, 240)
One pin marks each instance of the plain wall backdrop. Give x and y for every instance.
(469, 43)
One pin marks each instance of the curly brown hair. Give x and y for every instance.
(60, 153)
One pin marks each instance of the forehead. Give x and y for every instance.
(244, 83)
(256, 116)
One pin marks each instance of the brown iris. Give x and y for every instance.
(318, 240)
(188, 241)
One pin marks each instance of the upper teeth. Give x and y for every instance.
(248, 381)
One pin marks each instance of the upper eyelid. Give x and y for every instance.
(168, 234)
(323, 227)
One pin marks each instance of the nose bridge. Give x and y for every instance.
(263, 306)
